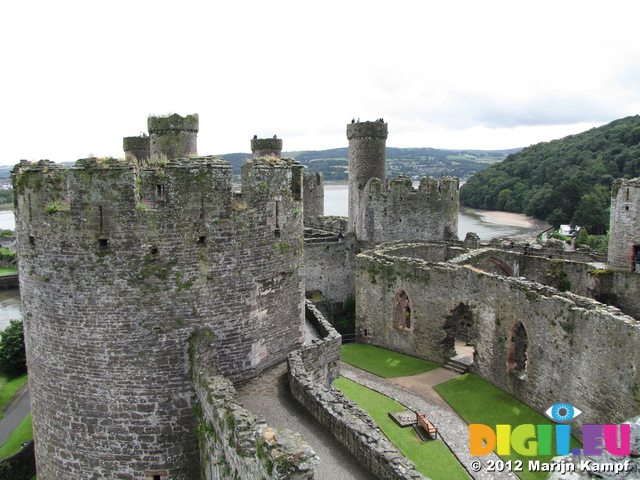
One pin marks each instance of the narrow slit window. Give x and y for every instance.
(160, 191)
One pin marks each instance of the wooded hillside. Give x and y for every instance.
(563, 181)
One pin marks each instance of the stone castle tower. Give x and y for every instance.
(380, 211)
(119, 267)
(624, 234)
(367, 160)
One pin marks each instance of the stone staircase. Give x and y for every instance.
(459, 363)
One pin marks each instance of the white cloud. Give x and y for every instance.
(495, 74)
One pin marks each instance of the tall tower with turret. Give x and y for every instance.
(382, 211)
(367, 160)
(119, 266)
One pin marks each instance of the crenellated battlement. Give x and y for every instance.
(364, 130)
(200, 186)
(429, 212)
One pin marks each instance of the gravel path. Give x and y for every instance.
(268, 396)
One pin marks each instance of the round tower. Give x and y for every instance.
(173, 136)
(367, 160)
(119, 267)
(624, 228)
(266, 147)
(139, 147)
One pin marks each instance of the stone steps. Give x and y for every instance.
(459, 364)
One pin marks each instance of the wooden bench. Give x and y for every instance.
(432, 431)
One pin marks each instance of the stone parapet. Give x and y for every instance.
(352, 426)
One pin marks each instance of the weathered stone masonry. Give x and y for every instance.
(576, 350)
(118, 267)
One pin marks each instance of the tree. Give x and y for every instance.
(13, 360)
(591, 214)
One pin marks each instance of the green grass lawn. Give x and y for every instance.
(432, 458)
(478, 401)
(384, 363)
(13, 444)
(8, 388)
(8, 271)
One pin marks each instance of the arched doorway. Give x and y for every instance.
(460, 334)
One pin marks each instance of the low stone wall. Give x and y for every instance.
(235, 443)
(352, 426)
(20, 466)
(327, 223)
(322, 358)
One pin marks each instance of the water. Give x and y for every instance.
(10, 307)
(7, 220)
(336, 202)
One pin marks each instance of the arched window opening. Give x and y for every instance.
(402, 312)
(517, 354)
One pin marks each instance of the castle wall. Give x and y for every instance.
(624, 233)
(579, 351)
(313, 195)
(401, 212)
(235, 443)
(330, 268)
(116, 270)
(353, 427)
(321, 358)
(611, 287)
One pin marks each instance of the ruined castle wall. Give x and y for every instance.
(607, 286)
(330, 267)
(427, 213)
(579, 351)
(624, 234)
(313, 195)
(321, 358)
(235, 443)
(349, 424)
(117, 268)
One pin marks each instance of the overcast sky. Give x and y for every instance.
(77, 76)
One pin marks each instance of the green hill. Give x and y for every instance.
(413, 162)
(562, 181)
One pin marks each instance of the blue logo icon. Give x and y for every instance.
(562, 412)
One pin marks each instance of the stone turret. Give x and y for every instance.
(173, 136)
(139, 147)
(367, 160)
(266, 147)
